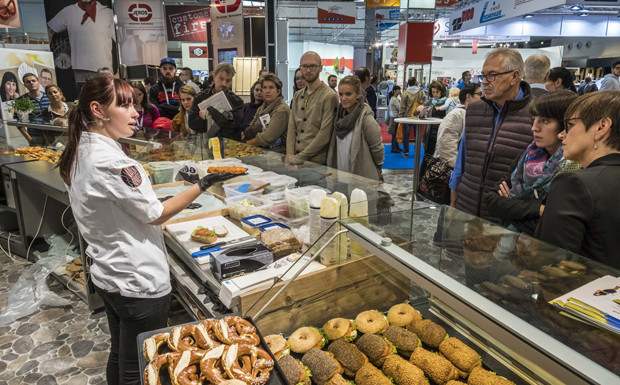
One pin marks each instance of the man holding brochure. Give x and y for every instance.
(217, 110)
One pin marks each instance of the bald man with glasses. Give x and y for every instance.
(497, 130)
(312, 115)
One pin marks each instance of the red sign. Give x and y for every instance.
(198, 51)
(445, 3)
(187, 22)
(140, 13)
(227, 6)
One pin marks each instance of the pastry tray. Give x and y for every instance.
(276, 376)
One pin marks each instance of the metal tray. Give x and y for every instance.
(276, 377)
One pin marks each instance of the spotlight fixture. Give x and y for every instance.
(576, 7)
(583, 14)
(528, 16)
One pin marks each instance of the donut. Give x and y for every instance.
(371, 321)
(340, 328)
(306, 338)
(403, 314)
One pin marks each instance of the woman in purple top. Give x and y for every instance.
(147, 112)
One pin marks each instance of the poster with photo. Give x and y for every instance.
(9, 14)
(141, 33)
(83, 40)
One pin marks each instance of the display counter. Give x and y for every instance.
(488, 283)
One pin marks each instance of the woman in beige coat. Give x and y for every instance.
(356, 145)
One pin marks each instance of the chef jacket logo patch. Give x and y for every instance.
(131, 176)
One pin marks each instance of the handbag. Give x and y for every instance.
(434, 183)
(400, 132)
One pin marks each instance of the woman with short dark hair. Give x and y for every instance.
(9, 90)
(582, 214)
(559, 78)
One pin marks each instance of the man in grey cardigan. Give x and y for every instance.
(312, 115)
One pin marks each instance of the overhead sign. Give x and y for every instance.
(227, 29)
(187, 22)
(418, 4)
(445, 3)
(336, 13)
(488, 11)
(382, 3)
(386, 18)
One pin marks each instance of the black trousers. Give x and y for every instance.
(128, 317)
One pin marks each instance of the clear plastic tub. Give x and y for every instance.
(297, 200)
(162, 172)
(292, 223)
(243, 206)
(278, 184)
(252, 224)
(230, 189)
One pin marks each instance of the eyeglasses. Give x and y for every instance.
(568, 125)
(491, 77)
(306, 67)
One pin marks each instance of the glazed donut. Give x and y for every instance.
(151, 346)
(254, 371)
(371, 321)
(304, 339)
(403, 314)
(337, 328)
(236, 330)
(209, 365)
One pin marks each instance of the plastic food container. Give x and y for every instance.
(231, 190)
(292, 223)
(298, 199)
(162, 172)
(273, 225)
(242, 206)
(278, 184)
(252, 224)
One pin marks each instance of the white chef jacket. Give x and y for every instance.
(91, 42)
(113, 203)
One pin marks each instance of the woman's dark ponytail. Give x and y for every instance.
(77, 124)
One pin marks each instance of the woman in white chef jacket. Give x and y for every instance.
(119, 216)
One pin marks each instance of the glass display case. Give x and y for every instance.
(489, 285)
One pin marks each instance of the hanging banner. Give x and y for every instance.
(141, 31)
(382, 3)
(386, 18)
(83, 40)
(336, 13)
(445, 3)
(227, 30)
(195, 56)
(418, 4)
(187, 22)
(9, 14)
(488, 11)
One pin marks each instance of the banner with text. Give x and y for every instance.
(382, 3)
(141, 31)
(187, 22)
(488, 11)
(337, 13)
(227, 30)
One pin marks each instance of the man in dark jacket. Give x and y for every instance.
(216, 121)
(497, 130)
(165, 93)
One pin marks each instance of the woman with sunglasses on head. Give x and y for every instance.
(356, 145)
(582, 214)
(120, 218)
(518, 199)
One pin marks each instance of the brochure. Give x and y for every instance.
(218, 101)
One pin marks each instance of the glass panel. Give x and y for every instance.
(512, 270)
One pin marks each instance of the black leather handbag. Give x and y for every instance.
(434, 183)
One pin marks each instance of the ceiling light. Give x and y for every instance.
(576, 7)
(528, 16)
(583, 14)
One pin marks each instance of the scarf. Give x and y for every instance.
(439, 101)
(346, 121)
(90, 10)
(535, 170)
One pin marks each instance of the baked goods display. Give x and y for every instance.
(371, 321)
(397, 355)
(216, 352)
(36, 152)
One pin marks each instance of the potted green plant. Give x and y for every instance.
(23, 107)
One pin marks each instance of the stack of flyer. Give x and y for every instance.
(597, 303)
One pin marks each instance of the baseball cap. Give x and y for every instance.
(168, 60)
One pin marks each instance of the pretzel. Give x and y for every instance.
(151, 372)
(209, 365)
(236, 330)
(179, 364)
(182, 338)
(258, 370)
(152, 344)
(202, 336)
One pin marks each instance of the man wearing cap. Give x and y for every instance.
(165, 93)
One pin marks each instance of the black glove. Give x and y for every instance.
(217, 117)
(211, 179)
(191, 178)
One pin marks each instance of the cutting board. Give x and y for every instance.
(182, 231)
